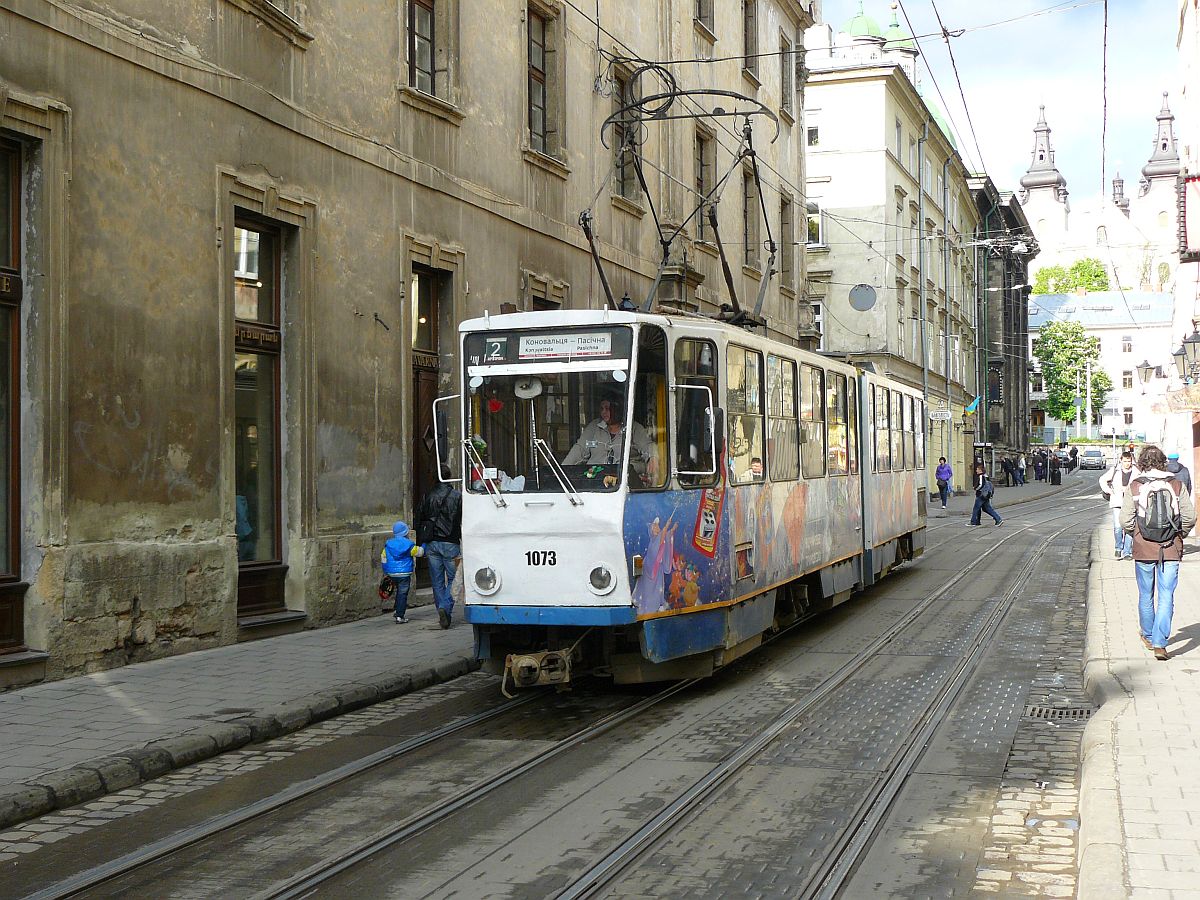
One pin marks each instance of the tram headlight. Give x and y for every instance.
(487, 580)
(600, 580)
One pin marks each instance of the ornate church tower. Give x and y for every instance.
(1164, 161)
(1042, 174)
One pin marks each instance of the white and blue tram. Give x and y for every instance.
(752, 484)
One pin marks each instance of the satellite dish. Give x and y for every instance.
(527, 388)
(862, 297)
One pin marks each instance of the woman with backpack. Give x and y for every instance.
(983, 497)
(1158, 512)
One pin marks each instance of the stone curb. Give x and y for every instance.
(95, 778)
(1100, 856)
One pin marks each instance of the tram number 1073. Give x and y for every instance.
(541, 558)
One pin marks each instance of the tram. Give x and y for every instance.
(645, 496)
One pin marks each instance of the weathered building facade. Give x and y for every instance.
(890, 209)
(240, 235)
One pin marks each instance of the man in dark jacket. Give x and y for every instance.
(1180, 471)
(1156, 565)
(439, 526)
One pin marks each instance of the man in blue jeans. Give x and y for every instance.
(439, 522)
(1156, 562)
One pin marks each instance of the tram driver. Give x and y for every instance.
(602, 442)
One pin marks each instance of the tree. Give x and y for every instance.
(1088, 273)
(1063, 349)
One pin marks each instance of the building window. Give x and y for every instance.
(818, 310)
(420, 45)
(1036, 384)
(750, 36)
(257, 363)
(625, 140)
(704, 13)
(787, 76)
(1126, 343)
(704, 163)
(912, 157)
(1127, 379)
(1128, 415)
(538, 127)
(11, 610)
(787, 241)
(814, 136)
(750, 216)
(899, 142)
(816, 225)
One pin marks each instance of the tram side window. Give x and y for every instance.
(883, 447)
(745, 406)
(695, 364)
(783, 446)
(920, 434)
(812, 420)
(839, 460)
(913, 430)
(852, 429)
(647, 455)
(898, 404)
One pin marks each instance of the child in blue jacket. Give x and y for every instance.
(397, 561)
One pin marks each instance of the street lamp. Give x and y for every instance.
(1145, 370)
(1180, 363)
(1191, 356)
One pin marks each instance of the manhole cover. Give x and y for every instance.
(1058, 713)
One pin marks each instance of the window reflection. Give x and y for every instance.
(255, 458)
(255, 272)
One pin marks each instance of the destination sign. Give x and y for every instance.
(560, 346)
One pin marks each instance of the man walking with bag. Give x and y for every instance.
(1158, 512)
(439, 529)
(984, 490)
(1113, 485)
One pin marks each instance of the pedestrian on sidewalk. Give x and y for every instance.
(984, 489)
(1158, 512)
(1039, 467)
(1180, 471)
(439, 530)
(397, 560)
(1021, 466)
(943, 474)
(1113, 485)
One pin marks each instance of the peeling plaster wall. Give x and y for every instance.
(142, 560)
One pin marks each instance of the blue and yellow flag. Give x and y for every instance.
(973, 404)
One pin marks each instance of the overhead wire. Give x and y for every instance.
(961, 93)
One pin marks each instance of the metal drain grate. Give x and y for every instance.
(1059, 713)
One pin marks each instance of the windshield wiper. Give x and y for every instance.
(477, 465)
(564, 482)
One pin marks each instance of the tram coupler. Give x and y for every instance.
(533, 669)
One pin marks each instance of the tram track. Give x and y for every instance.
(318, 874)
(607, 870)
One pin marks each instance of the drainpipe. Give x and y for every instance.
(921, 273)
(946, 285)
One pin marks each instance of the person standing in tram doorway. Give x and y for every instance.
(943, 474)
(984, 489)
(439, 530)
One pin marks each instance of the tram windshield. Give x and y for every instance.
(549, 411)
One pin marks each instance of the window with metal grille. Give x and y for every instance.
(750, 36)
(704, 181)
(625, 139)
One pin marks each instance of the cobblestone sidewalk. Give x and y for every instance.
(69, 741)
(1140, 833)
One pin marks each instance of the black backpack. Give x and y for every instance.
(1158, 518)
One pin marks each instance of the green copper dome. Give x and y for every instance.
(862, 25)
(939, 119)
(897, 37)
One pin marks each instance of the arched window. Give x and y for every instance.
(1101, 235)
